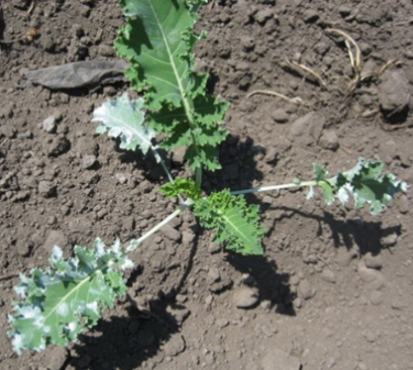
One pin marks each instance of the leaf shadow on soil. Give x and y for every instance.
(366, 235)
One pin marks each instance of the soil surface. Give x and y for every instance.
(334, 288)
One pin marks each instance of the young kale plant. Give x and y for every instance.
(59, 303)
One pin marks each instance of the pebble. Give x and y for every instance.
(56, 358)
(59, 145)
(305, 289)
(171, 233)
(245, 297)
(310, 16)
(263, 15)
(277, 359)
(389, 240)
(271, 156)
(403, 204)
(88, 161)
(344, 10)
(106, 51)
(373, 262)
(393, 91)
(214, 275)
(374, 278)
(175, 346)
(329, 140)
(307, 129)
(46, 189)
(55, 238)
(214, 248)
(247, 42)
(279, 115)
(328, 276)
(49, 124)
(376, 298)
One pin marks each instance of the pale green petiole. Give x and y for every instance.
(274, 187)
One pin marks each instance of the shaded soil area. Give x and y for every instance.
(334, 288)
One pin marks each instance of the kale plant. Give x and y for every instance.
(59, 303)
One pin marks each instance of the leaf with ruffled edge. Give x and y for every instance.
(61, 302)
(365, 183)
(124, 118)
(157, 41)
(234, 221)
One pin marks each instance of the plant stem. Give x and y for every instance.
(157, 227)
(198, 177)
(274, 187)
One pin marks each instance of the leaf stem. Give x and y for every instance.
(157, 227)
(274, 187)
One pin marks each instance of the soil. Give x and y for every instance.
(334, 288)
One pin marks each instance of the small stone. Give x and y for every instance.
(376, 298)
(277, 359)
(247, 42)
(393, 92)
(344, 10)
(24, 248)
(329, 140)
(171, 233)
(373, 278)
(271, 156)
(55, 238)
(222, 323)
(263, 15)
(175, 346)
(214, 248)
(389, 240)
(328, 276)
(373, 262)
(88, 161)
(279, 115)
(49, 124)
(46, 189)
(245, 297)
(122, 178)
(403, 204)
(214, 275)
(310, 16)
(59, 145)
(56, 358)
(106, 51)
(307, 129)
(305, 289)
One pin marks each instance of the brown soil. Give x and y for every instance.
(334, 289)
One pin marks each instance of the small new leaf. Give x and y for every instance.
(61, 302)
(124, 119)
(184, 187)
(365, 183)
(235, 222)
